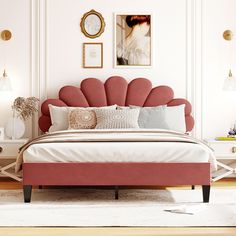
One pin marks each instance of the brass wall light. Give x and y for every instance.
(228, 35)
(5, 82)
(6, 35)
(230, 81)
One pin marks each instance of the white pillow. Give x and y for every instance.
(117, 119)
(163, 117)
(175, 118)
(59, 116)
(152, 117)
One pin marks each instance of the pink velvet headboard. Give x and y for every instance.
(116, 90)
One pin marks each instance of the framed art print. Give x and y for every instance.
(133, 40)
(92, 55)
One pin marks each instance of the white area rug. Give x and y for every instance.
(86, 207)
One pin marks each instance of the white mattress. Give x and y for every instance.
(118, 152)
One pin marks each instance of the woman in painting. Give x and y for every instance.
(135, 48)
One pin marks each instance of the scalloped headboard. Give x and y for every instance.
(116, 90)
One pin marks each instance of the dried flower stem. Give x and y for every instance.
(25, 107)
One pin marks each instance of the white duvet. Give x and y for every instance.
(119, 151)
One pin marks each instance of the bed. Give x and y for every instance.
(115, 157)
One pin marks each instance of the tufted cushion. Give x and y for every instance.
(116, 90)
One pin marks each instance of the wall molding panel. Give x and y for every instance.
(191, 56)
(38, 55)
(194, 61)
(193, 71)
(34, 73)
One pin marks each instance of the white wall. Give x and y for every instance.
(56, 34)
(15, 54)
(65, 42)
(219, 106)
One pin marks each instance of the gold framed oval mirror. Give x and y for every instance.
(92, 24)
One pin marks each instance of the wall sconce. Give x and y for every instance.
(230, 81)
(5, 82)
(6, 35)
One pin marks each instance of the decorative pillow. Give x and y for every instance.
(175, 118)
(59, 116)
(117, 119)
(152, 117)
(163, 117)
(82, 119)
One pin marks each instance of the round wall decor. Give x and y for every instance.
(92, 24)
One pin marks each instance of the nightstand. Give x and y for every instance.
(224, 150)
(9, 150)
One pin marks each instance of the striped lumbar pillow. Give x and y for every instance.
(117, 119)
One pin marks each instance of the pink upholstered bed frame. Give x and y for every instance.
(116, 90)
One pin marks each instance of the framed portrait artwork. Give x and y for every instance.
(133, 40)
(92, 55)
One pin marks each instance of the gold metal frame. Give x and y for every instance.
(151, 56)
(92, 12)
(84, 45)
(6, 35)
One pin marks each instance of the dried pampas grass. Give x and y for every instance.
(25, 107)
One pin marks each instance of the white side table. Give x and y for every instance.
(9, 150)
(224, 150)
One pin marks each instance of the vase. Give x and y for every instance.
(15, 128)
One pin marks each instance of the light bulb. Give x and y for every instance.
(5, 82)
(229, 83)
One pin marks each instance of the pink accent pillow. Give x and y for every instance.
(82, 119)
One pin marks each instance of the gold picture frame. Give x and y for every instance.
(126, 54)
(92, 55)
(92, 24)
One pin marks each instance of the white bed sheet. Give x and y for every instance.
(118, 152)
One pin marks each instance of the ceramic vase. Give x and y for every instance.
(15, 127)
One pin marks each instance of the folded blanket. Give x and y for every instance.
(115, 135)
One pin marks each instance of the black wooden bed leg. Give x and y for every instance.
(206, 192)
(116, 192)
(27, 193)
(193, 187)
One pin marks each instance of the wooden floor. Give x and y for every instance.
(116, 231)
(6, 183)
